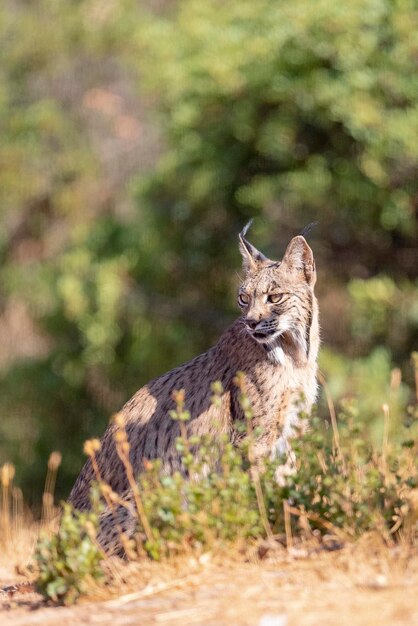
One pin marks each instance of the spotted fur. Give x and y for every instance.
(11, 590)
(275, 342)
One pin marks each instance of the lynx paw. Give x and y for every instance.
(288, 468)
(284, 471)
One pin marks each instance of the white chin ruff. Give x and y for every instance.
(273, 348)
(275, 354)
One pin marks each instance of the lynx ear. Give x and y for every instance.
(299, 256)
(251, 257)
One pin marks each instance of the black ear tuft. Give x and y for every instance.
(246, 228)
(250, 255)
(305, 231)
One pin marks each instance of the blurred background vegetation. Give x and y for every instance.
(136, 140)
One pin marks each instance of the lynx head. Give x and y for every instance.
(277, 298)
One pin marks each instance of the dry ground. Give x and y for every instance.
(362, 584)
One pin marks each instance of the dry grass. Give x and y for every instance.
(364, 584)
(19, 531)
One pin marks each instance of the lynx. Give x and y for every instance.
(274, 342)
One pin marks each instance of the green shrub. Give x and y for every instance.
(70, 559)
(355, 486)
(208, 506)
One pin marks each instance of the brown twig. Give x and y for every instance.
(287, 525)
(385, 440)
(333, 416)
(314, 517)
(90, 448)
(122, 448)
(414, 358)
(7, 475)
(54, 462)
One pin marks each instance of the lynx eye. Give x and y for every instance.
(243, 299)
(274, 298)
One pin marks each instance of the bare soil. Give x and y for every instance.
(362, 584)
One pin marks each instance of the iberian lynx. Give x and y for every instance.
(274, 342)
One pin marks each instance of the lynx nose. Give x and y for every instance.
(252, 323)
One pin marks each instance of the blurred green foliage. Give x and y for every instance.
(288, 111)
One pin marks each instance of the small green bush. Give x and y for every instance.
(207, 506)
(69, 560)
(354, 487)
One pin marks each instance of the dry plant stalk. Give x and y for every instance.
(7, 475)
(17, 509)
(385, 441)
(287, 525)
(54, 462)
(122, 448)
(395, 379)
(333, 416)
(181, 416)
(313, 517)
(92, 446)
(91, 531)
(414, 358)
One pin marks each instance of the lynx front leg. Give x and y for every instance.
(282, 448)
(293, 426)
